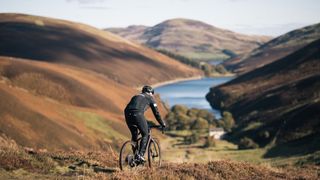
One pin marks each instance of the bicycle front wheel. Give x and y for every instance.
(154, 154)
(126, 159)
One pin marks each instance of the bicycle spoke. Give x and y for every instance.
(154, 154)
(126, 159)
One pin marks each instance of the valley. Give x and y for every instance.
(64, 85)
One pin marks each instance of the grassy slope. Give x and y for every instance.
(58, 41)
(193, 39)
(65, 84)
(19, 163)
(45, 103)
(275, 49)
(282, 96)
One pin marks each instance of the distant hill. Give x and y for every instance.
(278, 103)
(192, 39)
(65, 84)
(274, 49)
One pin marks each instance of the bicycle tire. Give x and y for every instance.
(124, 156)
(154, 153)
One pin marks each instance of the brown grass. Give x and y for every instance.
(217, 170)
(275, 49)
(86, 47)
(40, 85)
(192, 39)
(20, 163)
(281, 96)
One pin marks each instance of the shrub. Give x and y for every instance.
(193, 112)
(228, 121)
(179, 109)
(199, 123)
(182, 118)
(247, 143)
(183, 122)
(207, 69)
(264, 134)
(220, 69)
(191, 139)
(171, 120)
(210, 142)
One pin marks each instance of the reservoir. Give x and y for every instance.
(191, 93)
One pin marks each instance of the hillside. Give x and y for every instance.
(278, 103)
(64, 85)
(19, 163)
(192, 39)
(275, 49)
(58, 41)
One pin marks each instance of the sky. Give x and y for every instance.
(261, 17)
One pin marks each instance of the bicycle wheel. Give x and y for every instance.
(154, 154)
(126, 159)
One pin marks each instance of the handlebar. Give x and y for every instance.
(157, 127)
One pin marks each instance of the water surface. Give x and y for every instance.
(191, 93)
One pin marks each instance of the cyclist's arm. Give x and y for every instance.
(156, 113)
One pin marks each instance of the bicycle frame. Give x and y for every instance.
(154, 151)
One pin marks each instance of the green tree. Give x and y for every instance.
(210, 142)
(200, 123)
(207, 69)
(191, 139)
(220, 69)
(179, 109)
(228, 121)
(170, 118)
(247, 143)
(183, 121)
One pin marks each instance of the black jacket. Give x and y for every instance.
(141, 102)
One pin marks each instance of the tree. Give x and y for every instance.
(183, 122)
(171, 120)
(247, 143)
(228, 121)
(179, 109)
(210, 142)
(191, 139)
(220, 69)
(200, 123)
(207, 69)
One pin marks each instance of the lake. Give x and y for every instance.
(191, 93)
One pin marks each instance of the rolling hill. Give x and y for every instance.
(63, 85)
(275, 49)
(192, 39)
(278, 103)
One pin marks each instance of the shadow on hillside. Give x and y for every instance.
(306, 145)
(60, 44)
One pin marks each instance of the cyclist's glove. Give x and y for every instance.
(163, 124)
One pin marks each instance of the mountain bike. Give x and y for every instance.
(129, 149)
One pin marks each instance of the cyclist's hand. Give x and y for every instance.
(163, 125)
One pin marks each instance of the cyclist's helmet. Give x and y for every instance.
(147, 89)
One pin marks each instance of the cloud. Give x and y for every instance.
(87, 1)
(91, 4)
(96, 7)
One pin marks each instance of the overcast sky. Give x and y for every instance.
(265, 17)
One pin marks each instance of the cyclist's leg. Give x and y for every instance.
(143, 127)
(130, 120)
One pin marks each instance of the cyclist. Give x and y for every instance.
(134, 114)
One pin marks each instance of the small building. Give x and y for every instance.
(216, 133)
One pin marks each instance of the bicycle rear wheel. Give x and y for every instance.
(126, 159)
(154, 154)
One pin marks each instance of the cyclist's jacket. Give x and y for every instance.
(141, 102)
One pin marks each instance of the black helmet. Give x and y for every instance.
(147, 89)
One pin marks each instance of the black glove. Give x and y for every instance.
(163, 124)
